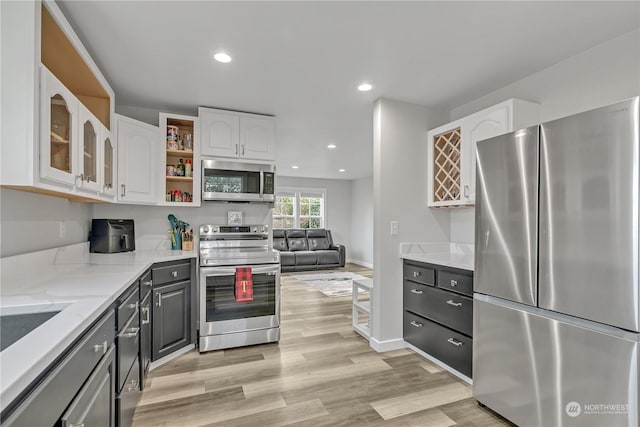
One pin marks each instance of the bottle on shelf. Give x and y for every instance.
(180, 168)
(188, 170)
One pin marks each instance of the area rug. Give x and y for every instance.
(334, 284)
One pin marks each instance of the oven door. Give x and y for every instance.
(220, 313)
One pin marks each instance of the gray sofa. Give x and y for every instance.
(307, 249)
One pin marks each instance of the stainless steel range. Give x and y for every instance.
(239, 287)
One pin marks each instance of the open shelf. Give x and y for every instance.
(180, 153)
(180, 178)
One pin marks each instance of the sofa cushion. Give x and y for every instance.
(328, 257)
(297, 239)
(317, 239)
(287, 258)
(306, 258)
(279, 240)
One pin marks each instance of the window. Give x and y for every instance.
(299, 209)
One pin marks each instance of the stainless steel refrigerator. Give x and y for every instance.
(557, 303)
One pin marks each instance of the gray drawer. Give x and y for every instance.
(128, 344)
(450, 309)
(127, 306)
(146, 284)
(418, 273)
(128, 398)
(171, 273)
(95, 403)
(444, 344)
(48, 400)
(455, 282)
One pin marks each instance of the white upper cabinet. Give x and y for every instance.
(90, 156)
(258, 138)
(220, 133)
(59, 139)
(237, 135)
(58, 112)
(107, 170)
(138, 161)
(452, 149)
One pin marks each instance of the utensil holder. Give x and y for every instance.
(187, 245)
(176, 241)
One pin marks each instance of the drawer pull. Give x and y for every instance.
(133, 306)
(149, 283)
(133, 386)
(76, 425)
(416, 274)
(174, 274)
(100, 347)
(417, 292)
(133, 332)
(455, 304)
(454, 342)
(146, 312)
(416, 324)
(454, 283)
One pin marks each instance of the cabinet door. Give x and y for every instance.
(59, 131)
(138, 167)
(258, 138)
(219, 133)
(476, 128)
(95, 403)
(444, 165)
(90, 143)
(171, 317)
(145, 337)
(108, 166)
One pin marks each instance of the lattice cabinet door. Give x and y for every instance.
(446, 166)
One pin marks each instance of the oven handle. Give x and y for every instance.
(230, 271)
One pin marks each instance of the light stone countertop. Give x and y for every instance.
(457, 255)
(81, 284)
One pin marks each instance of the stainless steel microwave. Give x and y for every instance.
(229, 181)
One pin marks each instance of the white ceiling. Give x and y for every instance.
(301, 61)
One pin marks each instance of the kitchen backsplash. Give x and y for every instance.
(461, 223)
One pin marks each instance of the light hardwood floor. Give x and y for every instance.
(321, 373)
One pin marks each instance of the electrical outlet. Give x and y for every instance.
(62, 229)
(394, 228)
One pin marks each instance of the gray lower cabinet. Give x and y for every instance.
(171, 318)
(94, 405)
(174, 307)
(438, 312)
(145, 338)
(62, 391)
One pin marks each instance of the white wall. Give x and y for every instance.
(399, 194)
(362, 221)
(152, 220)
(604, 74)
(31, 222)
(337, 205)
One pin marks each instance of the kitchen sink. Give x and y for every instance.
(15, 325)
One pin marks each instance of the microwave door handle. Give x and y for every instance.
(261, 183)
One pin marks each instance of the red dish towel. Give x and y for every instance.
(244, 284)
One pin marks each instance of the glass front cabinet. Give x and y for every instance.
(76, 149)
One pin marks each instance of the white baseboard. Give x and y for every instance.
(441, 364)
(170, 357)
(387, 345)
(358, 262)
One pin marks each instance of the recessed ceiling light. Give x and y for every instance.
(222, 57)
(331, 146)
(341, 170)
(365, 87)
(294, 167)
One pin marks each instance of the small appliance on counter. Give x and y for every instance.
(110, 236)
